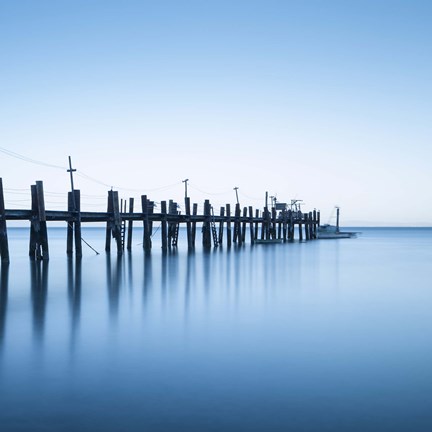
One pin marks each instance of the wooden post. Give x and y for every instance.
(273, 223)
(314, 224)
(109, 222)
(146, 223)
(38, 229)
(4, 245)
(300, 228)
(284, 225)
(228, 213)
(194, 213)
(206, 225)
(251, 225)
(256, 223)
(34, 253)
(237, 236)
(290, 225)
(170, 224)
(164, 226)
(221, 224)
(130, 225)
(306, 226)
(77, 224)
(311, 231)
(244, 224)
(188, 223)
(117, 222)
(318, 217)
(69, 238)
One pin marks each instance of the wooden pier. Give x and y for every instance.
(272, 224)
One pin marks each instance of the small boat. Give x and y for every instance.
(328, 231)
(268, 241)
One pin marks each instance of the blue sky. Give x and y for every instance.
(325, 101)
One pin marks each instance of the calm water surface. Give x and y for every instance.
(329, 335)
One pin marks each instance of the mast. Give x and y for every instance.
(337, 219)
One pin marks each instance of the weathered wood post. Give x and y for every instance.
(314, 224)
(251, 225)
(38, 229)
(221, 224)
(284, 225)
(164, 238)
(228, 213)
(188, 223)
(306, 226)
(290, 225)
(77, 223)
(109, 222)
(146, 224)
(130, 225)
(206, 225)
(273, 223)
(237, 234)
(311, 225)
(194, 213)
(300, 227)
(256, 223)
(4, 245)
(117, 222)
(243, 231)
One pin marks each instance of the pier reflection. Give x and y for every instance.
(74, 295)
(39, 289)
(114, 280)
(4, 282)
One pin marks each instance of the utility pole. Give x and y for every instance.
(236, 189)
(71, 171)
(185, 182)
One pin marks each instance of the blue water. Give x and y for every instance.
(330, 335)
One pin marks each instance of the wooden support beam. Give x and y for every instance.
(221, 224)
(116, 230)
(130, 225)
(109, 223)
(206, 225)
(188, 223)
(146, 223)
(194, 213)
(251, 225)
(228, 213)
(300, 226)
(77, 224)
(164, 237)
(243, 232)
(256, 224)
(306, 226)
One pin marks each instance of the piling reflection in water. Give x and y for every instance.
(74, 294)
(39, 290)
(4, 280)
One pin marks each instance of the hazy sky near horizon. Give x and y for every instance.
(325, 101)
